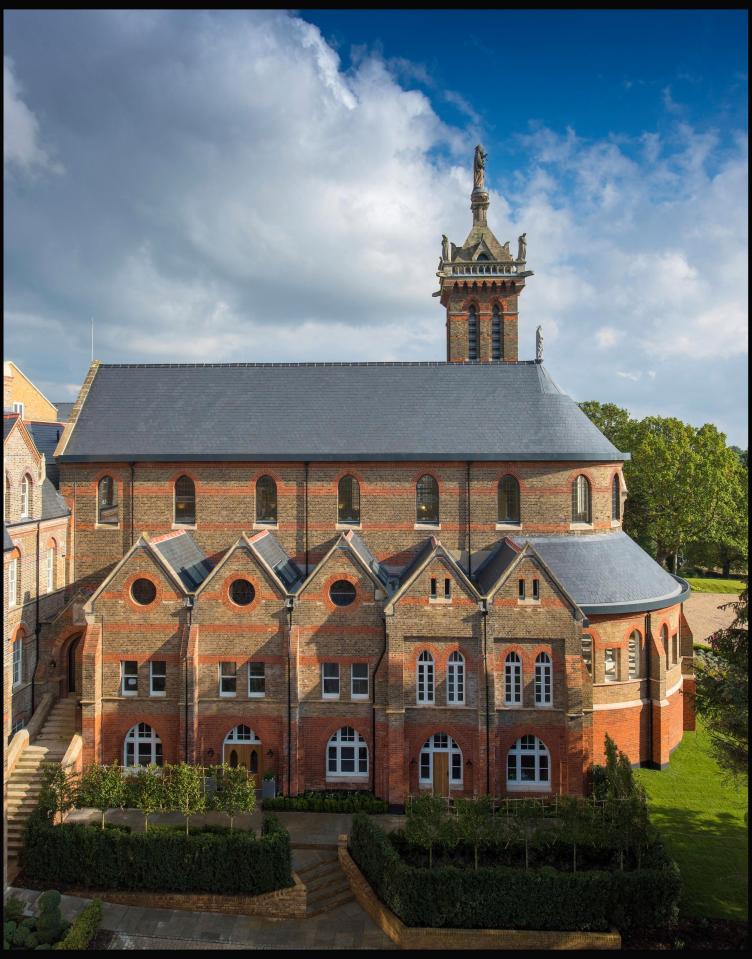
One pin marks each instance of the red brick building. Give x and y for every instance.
(393, 576)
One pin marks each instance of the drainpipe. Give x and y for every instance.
(37, 629)
(373, 715)
(306, 521)
(648, 670)
(133, 472)
(484, 611)
(469, 545)
(189, 601)
(289, 603)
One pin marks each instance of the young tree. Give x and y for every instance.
(427, 823)
(149, 792)
(102, 788)
(722, 691)
(58, 791)
(236, 791)
(475, 822)
(185, 790)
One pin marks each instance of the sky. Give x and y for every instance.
(223, 186)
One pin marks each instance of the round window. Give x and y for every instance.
(144, 592)
(242, 592)
(342, 593)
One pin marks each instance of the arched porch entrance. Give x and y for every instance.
(242, 747)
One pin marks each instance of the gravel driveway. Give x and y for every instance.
(703, 615)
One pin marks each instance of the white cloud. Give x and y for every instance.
(21, 147)
(608, 336)
(627, 375)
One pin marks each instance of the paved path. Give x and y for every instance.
(703, 615)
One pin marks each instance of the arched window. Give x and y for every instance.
(427, 500)
(528, 765)
(14, 586)
(346, 754)
(664, 641)
(456, 679)
(425, 677)
(18, 660)
(51, 566)
(26, 496)
(581, 500)
(242, 734)
(513, 680)
(543, 680)
(615, 498)
(348, 500)
(444, 744)
(266, 500)
(108, 511)
(143, 747)
(6, 501)
(472, 334)
(633, 651)
(497, 343)
(509, 500)
(185, 501)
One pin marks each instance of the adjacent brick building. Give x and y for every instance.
(394, 576)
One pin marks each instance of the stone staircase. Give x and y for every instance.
(327, 886)
(25, 782)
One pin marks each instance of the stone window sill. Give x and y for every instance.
(509, 526)
(262, 525)
(348, 526)
(615, 523)
(113, 526)
(529, 787)
(427, 526)
(184, 526)
(580, 525)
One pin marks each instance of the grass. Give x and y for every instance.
(709, 585)
(701, 818)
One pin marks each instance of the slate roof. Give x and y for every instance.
(53, 504)
(492, 567)
(603, 571)
(7, 541)
(64, 411)
(183, 555)
(46, 437)
(332, 411)
(270, 550)
(370, 560)
(8, 423)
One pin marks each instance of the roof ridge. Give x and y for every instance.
(319, 363)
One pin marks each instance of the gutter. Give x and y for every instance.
(133, 472)
(484, 611)
(289, 603)
(305, 465)
(373, 713)
(37, 628)
(648, 664)
(189, 600)
(469, 545)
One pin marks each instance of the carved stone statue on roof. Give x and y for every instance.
(539, 344)
(522, 247)
(444, 247)
(479, 168)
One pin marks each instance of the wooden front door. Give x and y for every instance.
(244, 754)
(441, 774)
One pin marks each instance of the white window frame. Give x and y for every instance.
(456, 679)
(18, 662)
(587, 652)
(128, 675)
(25, 497)
(255, 693)
(329, 680)
(19, 408)
(512, 679)
(153, 676)
(13, 582)
(241, 734)
(359, 679)
(611, 675)
(51, 569)
(223, 676)
(137, 736)
(440, 743)
(527, 746)
(544, 681)
(425, 685)
(344, 741)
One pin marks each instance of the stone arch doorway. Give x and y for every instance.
(242, 747)
(73, 666)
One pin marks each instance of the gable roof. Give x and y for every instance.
(431, 549)
(266, 545)
(143, 543)
(352, 543)
(493, 566)
(15, 422)
(330, 411)
(184, 557)
(53, 504)
(46, 437)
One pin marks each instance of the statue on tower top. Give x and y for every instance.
(479, 168)
(539, 344)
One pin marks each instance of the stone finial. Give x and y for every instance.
(522, 248)
(539, 344)
(479, 168)
(444, 247)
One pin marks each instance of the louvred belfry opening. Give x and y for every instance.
(479, 285)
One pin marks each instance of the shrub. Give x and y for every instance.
(223, 863)
(13, 910)
(504, 897)
(84, 928)
(50, 924)
(236, 792)
(101, 787)
(321, 802)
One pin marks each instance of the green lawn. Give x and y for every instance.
(701, 818)
(705, 585)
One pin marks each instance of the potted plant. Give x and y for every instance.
(268, 786)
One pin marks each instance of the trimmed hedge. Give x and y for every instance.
(328, 802)
(84, 928)
(231, 863)
(503, 897)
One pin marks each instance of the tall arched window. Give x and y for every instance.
(348, 500)
(427, 500)
(633, 654)
(107, 510)
(185, 501)
(513, 680)
(18, 659)
(581, 512)
(497, 342)
(266, 500)
(472, 334)
(528, 765)
(509, 500)
(456, 679)
(543, 680)
(51, 566)
(6, 501)
(441, 743)
(664, 642)
(14, 586)
(615, 498)
(143, 747)
(346, 754)
(26, 496)
(425, 677)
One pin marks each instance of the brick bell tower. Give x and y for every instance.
(479, 283)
